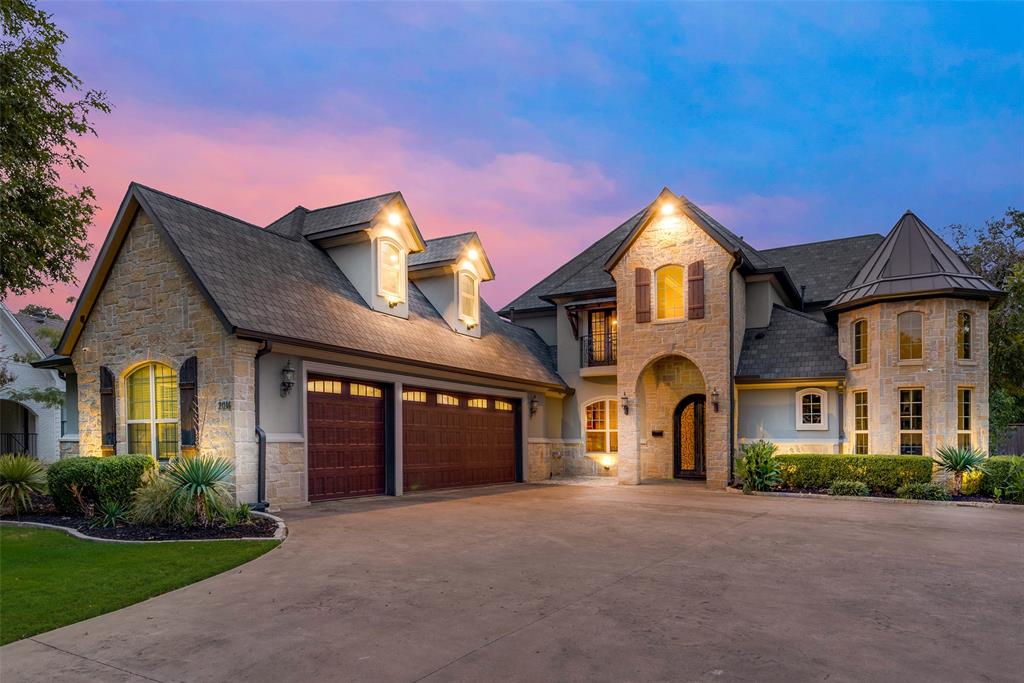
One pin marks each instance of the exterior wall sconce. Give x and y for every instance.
(625, 403)
(392, 302)
(534, 404)
(287, 378)
(714, 399)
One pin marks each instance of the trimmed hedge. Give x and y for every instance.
(996, 469)
(113, 478)
(118, 476)
(64, 474)
(881, 473)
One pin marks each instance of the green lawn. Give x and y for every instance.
(49, 579)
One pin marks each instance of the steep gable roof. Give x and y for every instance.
(264, 285)
(447, 250)
(793, 346)
(824, 268)
(911, 262)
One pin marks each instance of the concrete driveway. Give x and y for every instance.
(661, 582)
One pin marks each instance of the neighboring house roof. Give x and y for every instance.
(264, 285)
(912, 262)
(824, 268)
(33, 324)
(793, 346)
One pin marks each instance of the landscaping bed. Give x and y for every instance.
(973, 498)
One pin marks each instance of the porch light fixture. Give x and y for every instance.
(392, 301)
(607, 461)
(625, 403)
(714, 399)
(668, 208)
(472, 254)
(534, 404)
(394, 218)
(287, 378)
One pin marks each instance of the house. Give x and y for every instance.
(28, 426)
(335, 352)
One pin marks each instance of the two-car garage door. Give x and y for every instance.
(449, 439)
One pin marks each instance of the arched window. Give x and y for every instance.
(601, 419)
(391, 271)
(860, 342)
(669, 284)
(152, 402)
(910, 326)
(963, 335)
(469, 298)
(812, 409)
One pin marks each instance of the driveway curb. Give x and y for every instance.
(878, 499)
(280, 535)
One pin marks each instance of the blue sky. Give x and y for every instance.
(544, 125)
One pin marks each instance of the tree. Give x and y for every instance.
(42, 225)
(996, 251)
(37, 310)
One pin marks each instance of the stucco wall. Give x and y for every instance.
(150, 310)
(939, 374)
(770, 414)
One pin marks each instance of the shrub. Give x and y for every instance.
(881, 473)
(72, 484)
(996, 473)
(154, 504)
(242, 514)
(921, 491)
(202, 483)
(845, 487)
(958, 461)
(118, 476)
(20, 477)
(759, 467)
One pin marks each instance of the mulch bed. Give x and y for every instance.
(43, 512)
(974, 498)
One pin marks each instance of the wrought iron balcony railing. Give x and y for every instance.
(598, 349)
(18, 443)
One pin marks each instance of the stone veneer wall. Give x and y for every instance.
(151, 310)
(286, 473)
(546, 458)
(663, 384)
(939, 374)
(705, 343)
(68, 449)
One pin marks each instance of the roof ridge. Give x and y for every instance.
(787, 309)
(834, 239)
(353, 201)
(447, 237)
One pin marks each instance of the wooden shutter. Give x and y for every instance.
(643, 295)
(187, 402)
(108, 423)
(695, 283)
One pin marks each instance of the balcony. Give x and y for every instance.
(598, 354)
(19, 443)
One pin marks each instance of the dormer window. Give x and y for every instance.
(469, 299)
(390, 271)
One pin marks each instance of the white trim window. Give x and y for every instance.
(151, 398)
(911, 421)
(963, 417)
(670, 300)
(812, 410)
(469, 298)
(601, 423)
(860, 423)
(390, 270)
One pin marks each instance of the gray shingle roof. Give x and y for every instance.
(793, 346)
(441, 249)
(824, 267)
(345, 215)
(912, 261)
(32, 324)
(264, 283)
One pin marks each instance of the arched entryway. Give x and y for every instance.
(688, 452)
(660, 386)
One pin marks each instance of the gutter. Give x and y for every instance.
(261, 436)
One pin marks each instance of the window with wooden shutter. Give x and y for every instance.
(187, 376)
(643, 295)
(696, 287)
(108, 426)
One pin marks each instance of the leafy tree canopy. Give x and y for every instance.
(42, 225)
(37, 310)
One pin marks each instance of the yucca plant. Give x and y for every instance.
(21, 476)
(109, 513)
(202, 483)
(959, 460)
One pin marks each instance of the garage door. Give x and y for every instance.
(451, 439)
(346, 438)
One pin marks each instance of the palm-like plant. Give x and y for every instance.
(958, 461)
(20, 477)
(202, 482)
(759, 467)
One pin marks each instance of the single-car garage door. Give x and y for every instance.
(451, 439)
(346, 438)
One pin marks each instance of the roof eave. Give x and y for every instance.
(758, 379)
(950, 292)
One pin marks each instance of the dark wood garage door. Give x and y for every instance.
(346, 438)
(451, 439)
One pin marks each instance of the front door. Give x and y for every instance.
(689, 438)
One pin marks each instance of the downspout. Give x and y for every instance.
(261, 436)
(737, 259)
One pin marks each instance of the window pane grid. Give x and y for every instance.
(963, 417)
(811, 409)
(963, 336)
(860, 342)
(152, 406)
(860, 422)
(601, 425)
(911, 422)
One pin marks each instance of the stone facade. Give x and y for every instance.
(698, 350)
(150, 310)
(546, 458)
(68, 448)
(939, 374)
(286, 474)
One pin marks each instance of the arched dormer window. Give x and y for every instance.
(390, 271)
(911, 330)
(812, 409)
(469, 298)
(669, 292)
(963, 335)
(151, 393)
(860, 342)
